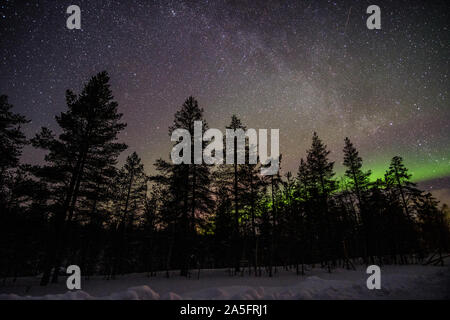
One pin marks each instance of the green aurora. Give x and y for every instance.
(421, 168)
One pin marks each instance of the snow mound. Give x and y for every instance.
(397, 282)
(134, 293)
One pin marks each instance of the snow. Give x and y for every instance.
(397, 282)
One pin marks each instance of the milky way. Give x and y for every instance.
(300, 66)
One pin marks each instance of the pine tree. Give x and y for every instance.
(252, 186)
(12, 140)
(169, 182)
(189, 185)
(303, 216)
(359, 184)
(89, 129)
(15, 187)
(433, 226)
(320, 175)
(132, 177)
(320, 168)
(236, 234)
(398, 179)
(274, 181)
(223, 220)
(131, 184)
(402, 194)
(150, 222)
(359, 180)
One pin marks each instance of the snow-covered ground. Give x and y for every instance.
(397, 282)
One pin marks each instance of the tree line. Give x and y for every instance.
(80, 207)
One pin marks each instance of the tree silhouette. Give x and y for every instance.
(89, 130)
(320, 175)
(79, 207)
(12, 141)
(130, 201)
(189, 187)
(359, 184)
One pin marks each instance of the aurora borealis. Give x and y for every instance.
(300, 66)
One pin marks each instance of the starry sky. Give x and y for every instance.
(300, 66)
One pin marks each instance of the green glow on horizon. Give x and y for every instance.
(421, 169)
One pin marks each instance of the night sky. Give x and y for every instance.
(300, 66)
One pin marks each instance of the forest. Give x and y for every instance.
(78, 206)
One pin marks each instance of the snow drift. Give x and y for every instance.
(397, 282)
